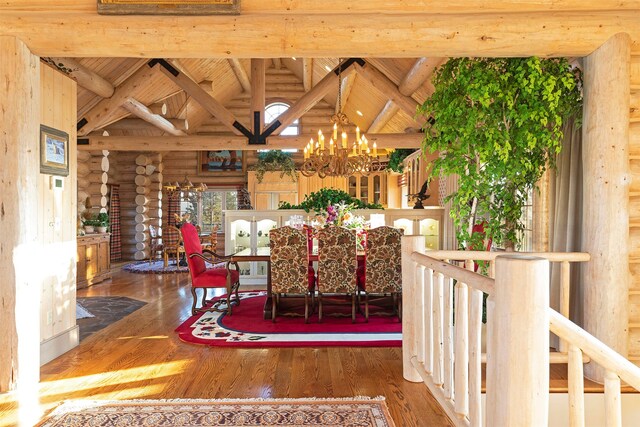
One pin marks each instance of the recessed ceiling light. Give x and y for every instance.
(326, 67)
(294, 58)
(359, 113)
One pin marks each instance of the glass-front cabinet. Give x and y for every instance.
(369, 189)
(250, 229)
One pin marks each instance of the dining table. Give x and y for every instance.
(264, 254)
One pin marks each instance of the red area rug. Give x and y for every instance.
(247, 328)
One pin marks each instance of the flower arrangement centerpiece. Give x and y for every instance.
(340, 215)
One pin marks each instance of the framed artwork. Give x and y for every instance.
(169, 7)
(54, 151)
(222, 162)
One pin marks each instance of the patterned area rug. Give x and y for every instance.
(357, 412)
(155, 267)
(105, 311)
(247, 328)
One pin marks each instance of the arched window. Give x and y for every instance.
(273, 110)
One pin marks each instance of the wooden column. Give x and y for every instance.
(20, 289)
(518, 362)
(258, 67)
(605, 227)
(410, 306)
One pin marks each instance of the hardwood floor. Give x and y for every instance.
(140, 357)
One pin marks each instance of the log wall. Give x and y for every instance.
(634, 212)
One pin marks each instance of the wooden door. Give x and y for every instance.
(82, 264)
(91, 257)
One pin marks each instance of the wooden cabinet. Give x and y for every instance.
(272, 190)
(94, 259)
(369, 189)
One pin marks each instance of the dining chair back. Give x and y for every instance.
(291, 274)
(171, 244)
(337, 261)
(155, 243)
(203, 277)
(383, 267)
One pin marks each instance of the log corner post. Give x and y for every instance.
(518, 357)
(410, 306)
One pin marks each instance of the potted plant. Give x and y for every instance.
(90, 224)
(103, 220)
(497, 124)
(321, 199)
(275, 160)
(396, 159)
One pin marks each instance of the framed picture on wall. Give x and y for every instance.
(54, 151)
(222, 162)
(168, 7)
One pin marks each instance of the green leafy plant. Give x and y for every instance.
(92, 221)
(497, 124)
(318, 201)
(275, 160)
(103, 218)
(397, 157)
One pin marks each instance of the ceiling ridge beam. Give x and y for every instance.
(227, 142)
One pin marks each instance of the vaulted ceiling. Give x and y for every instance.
(123, 96)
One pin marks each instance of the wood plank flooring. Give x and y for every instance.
(140, 357)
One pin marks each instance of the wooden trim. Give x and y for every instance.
(140, 7)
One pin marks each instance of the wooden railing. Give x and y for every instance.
(442, 345)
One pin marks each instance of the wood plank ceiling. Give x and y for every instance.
(378, 97)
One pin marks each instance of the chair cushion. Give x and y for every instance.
(214, 278)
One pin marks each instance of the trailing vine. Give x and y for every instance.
(319, 200)
(275, 160)
(397, 157)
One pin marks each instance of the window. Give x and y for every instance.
(207, 208)
(273, 110)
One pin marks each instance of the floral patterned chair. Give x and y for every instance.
(382, 275)
(337, 265)
(220, 276)
(291, 274)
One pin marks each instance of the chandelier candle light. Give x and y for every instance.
(336, 158)
(186, 189)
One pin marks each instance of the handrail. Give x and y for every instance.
(475, 280)
(491, 256)
(598, 351)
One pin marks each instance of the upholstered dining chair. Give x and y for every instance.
(337, 266)
(171, 244)
(382, 275)
(210, 242)
(206, 278)
(291, 274)
(155, 243)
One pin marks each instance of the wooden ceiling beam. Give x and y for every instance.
(309, 99)
(228, 142)
(387, 87)
(390, 109)
(258, 84)
(307, 73)
(103, 112)
(82, 75)
(241, 74)
(420, 72)
(159, 108)
(207, 101)
(138, 109)
(130, 124)
(345, 90)
(322, 35)
(277, 63)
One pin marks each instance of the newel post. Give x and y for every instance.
(410, 306)
(518, 357)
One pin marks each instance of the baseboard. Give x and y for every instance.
(59, 344)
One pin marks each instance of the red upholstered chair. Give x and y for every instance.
(337, 266)
(205, 278)
(291, 274)
(382, 273)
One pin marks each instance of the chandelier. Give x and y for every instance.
(337, 158)
(186, 190)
